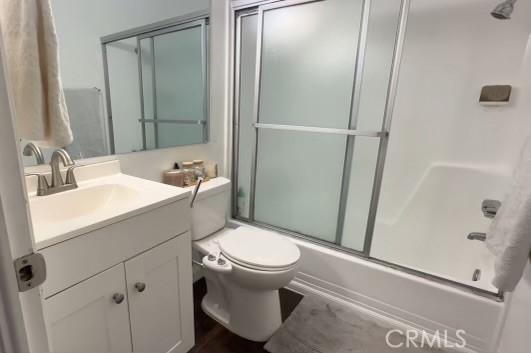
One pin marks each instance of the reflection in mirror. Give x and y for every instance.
(152, 85)
(157, 82)
(87, 121)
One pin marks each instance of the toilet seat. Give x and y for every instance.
(259, 250)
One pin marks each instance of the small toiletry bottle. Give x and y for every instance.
(199, 168)
(211, 170)
(174, 176)
(189, 173)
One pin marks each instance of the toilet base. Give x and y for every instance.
(215, 311)
(254, 315)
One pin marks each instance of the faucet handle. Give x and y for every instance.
(70, 177)
(490, 208)
(42, 185)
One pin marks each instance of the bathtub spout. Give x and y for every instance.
(477, 236)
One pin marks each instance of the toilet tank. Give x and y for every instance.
(209, 213)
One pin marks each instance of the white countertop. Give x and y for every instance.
(104, 196)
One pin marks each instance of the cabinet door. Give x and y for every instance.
(159, 284)
(88, 317)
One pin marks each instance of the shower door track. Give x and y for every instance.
(245, 8)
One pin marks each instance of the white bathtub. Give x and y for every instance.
(400, 298)
(429, 232)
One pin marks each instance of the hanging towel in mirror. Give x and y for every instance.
(32, 61)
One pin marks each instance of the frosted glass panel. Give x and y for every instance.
(124, 92)
(247, 134)
(179, 75)
(308, 63)
(147, 77)
(179, 134)
(381, 38)
(298, 181)
(150, 136)
(360, 191)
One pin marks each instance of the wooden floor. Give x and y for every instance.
(211, 337)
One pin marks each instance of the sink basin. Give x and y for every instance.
(83, 202)
(104, 196)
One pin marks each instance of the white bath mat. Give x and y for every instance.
(318, 326)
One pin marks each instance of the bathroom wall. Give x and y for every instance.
(85, 21)
(452, 49)
(81, 23)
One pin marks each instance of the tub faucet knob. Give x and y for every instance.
(490, 208)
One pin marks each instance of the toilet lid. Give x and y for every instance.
(259, 249)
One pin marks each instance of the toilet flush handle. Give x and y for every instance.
(196, 190)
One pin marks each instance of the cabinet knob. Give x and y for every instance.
(118, 298)
(140, 287)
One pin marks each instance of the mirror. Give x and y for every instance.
(161, 75)
(135, 78)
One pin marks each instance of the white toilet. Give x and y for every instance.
(243, 267)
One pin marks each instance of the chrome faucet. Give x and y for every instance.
(59, 156)
(32, 149)
(490, 209)
(58, 185)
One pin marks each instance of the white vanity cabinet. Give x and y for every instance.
(159, 285)
(85, 318)
(146, 299)
(126, 287)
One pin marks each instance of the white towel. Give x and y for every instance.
(509, 236)
(30, 43)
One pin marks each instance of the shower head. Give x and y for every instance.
(504, 10)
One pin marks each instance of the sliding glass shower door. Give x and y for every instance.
(304, 85)
(304, 157)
